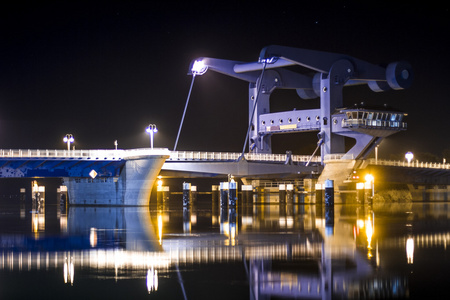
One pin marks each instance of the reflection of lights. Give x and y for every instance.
(360, 223)
(369, 233)
(410, 250)
(152, 280)
(160, 227)
(38, 222)
(93, 237)
(63, 223)
(69, 271)
(225, 229)
(290, 222)
(193, 219)
(233, 234)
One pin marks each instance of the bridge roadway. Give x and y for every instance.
(20, 163)
(255, 165)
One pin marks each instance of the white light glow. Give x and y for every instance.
(409, 156)
(410, 250)
(199, 68)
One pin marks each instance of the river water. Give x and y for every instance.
(203, 251)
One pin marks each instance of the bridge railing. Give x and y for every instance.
(109, 154)
(413, 164)
(29, 153)
(234, 156)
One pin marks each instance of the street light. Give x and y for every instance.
(68, 139)
(409, 156)
(151, 129)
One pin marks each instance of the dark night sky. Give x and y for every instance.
(103, 71)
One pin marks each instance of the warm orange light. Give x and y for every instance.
(369, 178)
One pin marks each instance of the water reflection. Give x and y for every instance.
(283, 250)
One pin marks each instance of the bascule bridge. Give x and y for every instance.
(274, 69)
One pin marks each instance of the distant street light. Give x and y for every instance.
(409, 156)
(68, 139)
(151, 129)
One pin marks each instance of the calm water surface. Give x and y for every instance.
(262, 251)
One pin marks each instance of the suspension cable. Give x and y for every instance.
(184, 113)
(253, 112)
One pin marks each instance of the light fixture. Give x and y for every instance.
(199, 68)
(68, 139)
(151, 129)
(409, 156)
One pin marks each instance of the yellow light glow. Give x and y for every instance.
(93, 237)
(369, 178)
(160, 226)
(369, 231)
(360, 223)
(410, 250)
(160, 182)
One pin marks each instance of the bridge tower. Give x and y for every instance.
(332, 121)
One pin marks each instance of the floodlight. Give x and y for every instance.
(199, 68)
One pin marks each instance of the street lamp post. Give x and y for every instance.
(151, 130)
(68, 139)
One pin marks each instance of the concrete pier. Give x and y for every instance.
(132, 187)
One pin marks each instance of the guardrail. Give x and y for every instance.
(233, 156)
(107, 154)
(413, 164)
(374, 123)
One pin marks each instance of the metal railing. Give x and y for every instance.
(413, 164)
(373, 123)
(107, 154)
(234, 156)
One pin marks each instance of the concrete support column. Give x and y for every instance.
(223, 194)
(282, 193)
(289, 193)
(232, 194)
(186, 194)
(319, 193)
(247, 194)
(360, 192)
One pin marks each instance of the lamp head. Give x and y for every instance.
(198, 68)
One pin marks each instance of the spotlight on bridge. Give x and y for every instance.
(151, 130)
(68, 139)
(199, 68)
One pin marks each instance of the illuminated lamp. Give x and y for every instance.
(151, 130)
(199, 68)
(68, 139)
(409, 156)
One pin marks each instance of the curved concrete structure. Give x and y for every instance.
(131, 188)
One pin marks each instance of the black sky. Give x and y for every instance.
(103, 71)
